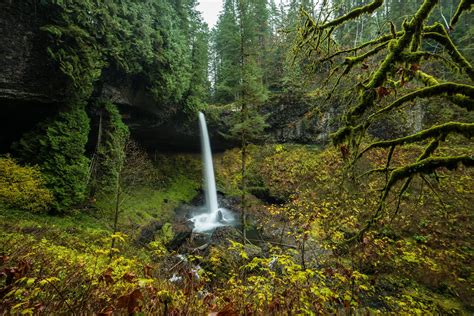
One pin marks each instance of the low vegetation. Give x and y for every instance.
(416, 263)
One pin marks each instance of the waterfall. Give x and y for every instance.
(208, 168)
(213, 216)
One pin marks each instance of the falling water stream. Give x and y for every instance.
(213, 216)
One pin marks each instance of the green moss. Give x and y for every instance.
(367, 9)
(352, 61)
(396, 48)
(448, 89)
(428, 165)
(142, 204)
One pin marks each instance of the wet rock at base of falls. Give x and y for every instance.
(221, 236)
(199, 238)
(220, 217)
(182, 230)
(229, 202)
(224, 233)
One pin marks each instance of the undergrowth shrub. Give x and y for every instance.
(23, 187)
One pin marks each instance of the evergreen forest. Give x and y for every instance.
(339, 178)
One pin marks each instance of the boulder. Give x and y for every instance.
(222, 234)
(147, 233)
(182, 230)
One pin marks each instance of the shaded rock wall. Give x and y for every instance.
(31, 87)
(300, 119)
(26, 71)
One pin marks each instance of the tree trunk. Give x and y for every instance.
(118, 192)
(243, 112)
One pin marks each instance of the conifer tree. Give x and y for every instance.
(251, 92)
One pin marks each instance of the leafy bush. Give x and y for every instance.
(23, 187)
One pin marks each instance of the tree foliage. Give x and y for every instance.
(110, 151)
(139, 39)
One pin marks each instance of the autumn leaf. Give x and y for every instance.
(228, 310)
(415, 67)
(107, 276)
(383, 91)
(130, 301)
(147, 269)
(129, 277)
(4, 259)
(107, 312)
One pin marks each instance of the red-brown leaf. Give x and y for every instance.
(106, 312)
(228, 310)
(147, 269)
(382, 92)
(129, 277)
(415, 67)
(107, 276)
(131, 301)
(4, 259)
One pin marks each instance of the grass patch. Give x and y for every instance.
(143, 204)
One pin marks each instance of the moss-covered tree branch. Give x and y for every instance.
(367, 9)
(448, 88)
(439, 34)
(465, 129)
(464, 5)
(428, 165)
(458, 99)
